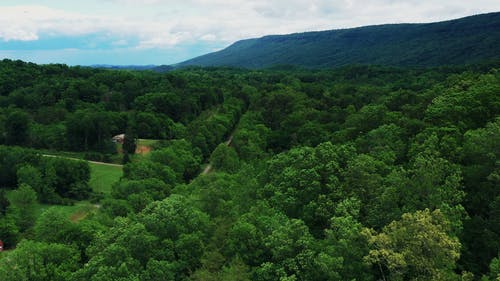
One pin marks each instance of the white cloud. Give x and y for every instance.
(18, 33)
(167, 23)
(121, 42)
(208, 37)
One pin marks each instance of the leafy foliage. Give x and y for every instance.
(356, 173)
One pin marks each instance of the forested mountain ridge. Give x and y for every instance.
(353, 173)
(462, 41)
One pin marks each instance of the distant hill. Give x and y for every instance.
(156, 68)
(467, 40)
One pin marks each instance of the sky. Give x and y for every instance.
(144, 32)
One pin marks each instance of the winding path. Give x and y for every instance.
(208, 168)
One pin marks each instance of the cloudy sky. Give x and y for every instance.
(140, 32)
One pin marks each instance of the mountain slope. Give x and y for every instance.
(466, 40)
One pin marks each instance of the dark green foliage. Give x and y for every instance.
(53, 226)
(9, 231)
(225, 159)
(149, 170)
(166, 239)
(173, 217)
(4, 203)
(251, 138)
(139, 193)
(16, 128)
(303, 184)
(22, 206)
(88, 129)
(357, 173)
(181, 157)
(467, 40)
(39, 261)
(481, 179)
(31, 176)
(213, 128)
(52, 178)
(69, 177)
(129, 142)
(11, 158)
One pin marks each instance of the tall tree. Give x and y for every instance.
(39, 261)
(16, 128)
(22, 206)
(417, 247)
(129, 142)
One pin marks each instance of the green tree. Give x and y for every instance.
(53, 226)
(344, 246)
(494, 274)
(9, 232)
(16, 128)
(417, 247)
(129, 143)
(22, 206)
(39, 261)
(121, 252)
(237, 270)
(303, 183)
(31, 176)
(181, 157)
(145, 169)
(385, 143)
(225, 159)
(174, 216)
(481, 170)
(363, 179)
(159, 270)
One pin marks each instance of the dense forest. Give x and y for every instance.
(354, 173)
(471, 39)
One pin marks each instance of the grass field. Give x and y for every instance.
(74, 212)
(102, 177)
(146, 142)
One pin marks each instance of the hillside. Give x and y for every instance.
(461, 41)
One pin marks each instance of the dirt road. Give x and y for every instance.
(208, 168)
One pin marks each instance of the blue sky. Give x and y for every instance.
(141, 32)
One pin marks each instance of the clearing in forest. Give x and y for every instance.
(102, 176)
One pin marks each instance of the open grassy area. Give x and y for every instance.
(74, 212)
(102, 177)
(146, 142)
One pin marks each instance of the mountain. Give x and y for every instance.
(124, 67)
(155, 68)
(461, 41)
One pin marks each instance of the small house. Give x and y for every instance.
(119, 138)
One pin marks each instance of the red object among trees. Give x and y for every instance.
(1, 245)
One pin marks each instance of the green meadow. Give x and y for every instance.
(103, 176)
